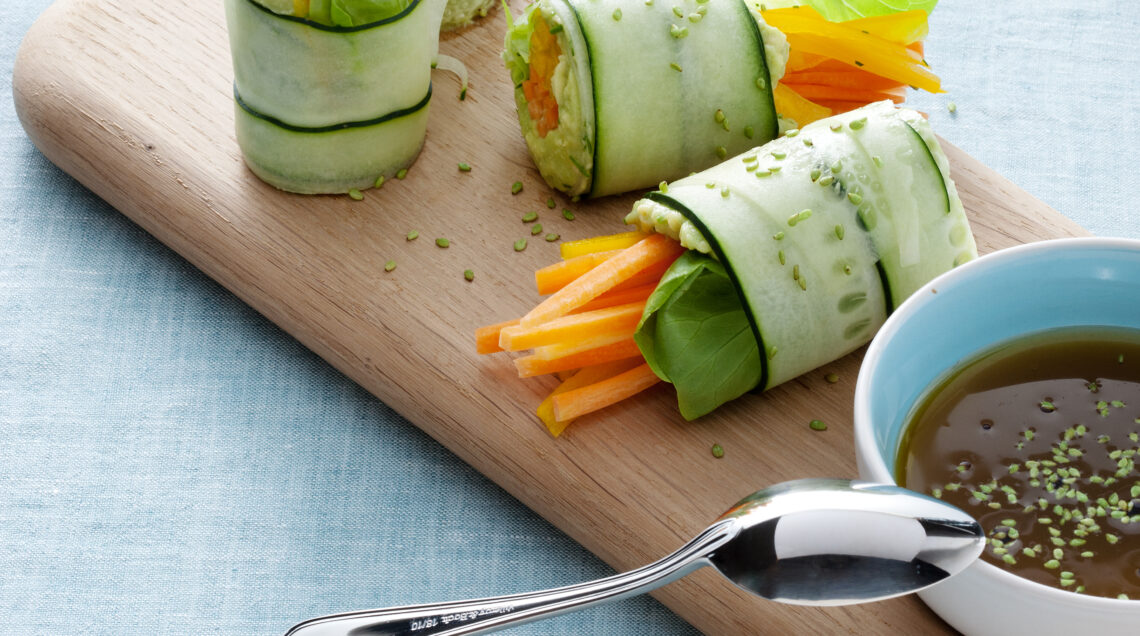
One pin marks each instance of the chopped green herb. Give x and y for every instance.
(717, 451)
(831, 378)
(379, 182)
(520, 245)
(389, 266)
(530, 217)
(469, 274)
(550, 203)
(401, 173)
(356, 195)
(516, 187)
(817, 425)
(464, 166)
(567, 214)
(550, 238)
(442, 242)
(536, 230)
(413, 235)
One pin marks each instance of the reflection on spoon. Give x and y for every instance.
(807, 542)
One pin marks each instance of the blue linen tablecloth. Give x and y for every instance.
(171, 462)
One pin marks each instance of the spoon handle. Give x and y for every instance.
(484, 615)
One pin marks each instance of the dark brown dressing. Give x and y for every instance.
(1037, 439)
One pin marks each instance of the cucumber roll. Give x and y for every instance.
(614, 95)
(787, 256)
(821, 234)
(330, 95)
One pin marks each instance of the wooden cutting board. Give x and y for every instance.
(133, 98)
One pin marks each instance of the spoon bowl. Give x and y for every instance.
(806, 542)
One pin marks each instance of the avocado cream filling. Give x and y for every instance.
(561, 141)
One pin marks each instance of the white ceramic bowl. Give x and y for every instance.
(1061, 283)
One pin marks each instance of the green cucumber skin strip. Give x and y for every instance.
(335, 127)
(311, 77)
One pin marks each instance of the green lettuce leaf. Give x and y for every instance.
(840, 10)
(694, 334)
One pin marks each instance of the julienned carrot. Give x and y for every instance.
(803, 21)
(581, 344)
(817, 93)
(530, 366)
(649, 250)
(570, 249)
(577, 402)
(553, 277)
(581, 378)
(552, 283)
(799, 61)
(651, 274)
(616, 297)
(840, 106)
(852, 78)
(487, 338)
(621, 320)
(809, 33)
(906, 27)
(887, 60)
(792, 105)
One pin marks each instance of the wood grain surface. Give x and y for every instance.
(134, 99)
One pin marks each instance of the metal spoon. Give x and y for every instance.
(806, 542)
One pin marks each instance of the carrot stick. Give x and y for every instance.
(651, 274)
(906, 27)
(584, 342)
(621, 320)
(799, 61)
(647, 251)
(580, 378)
(817, 93)
(883, 58)
(487, 338)
(570, 249)
(792, 105)
(840, 106)
(616, 297)
(852, 77)
(530, 366)
(578, 402)
(553, 277)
